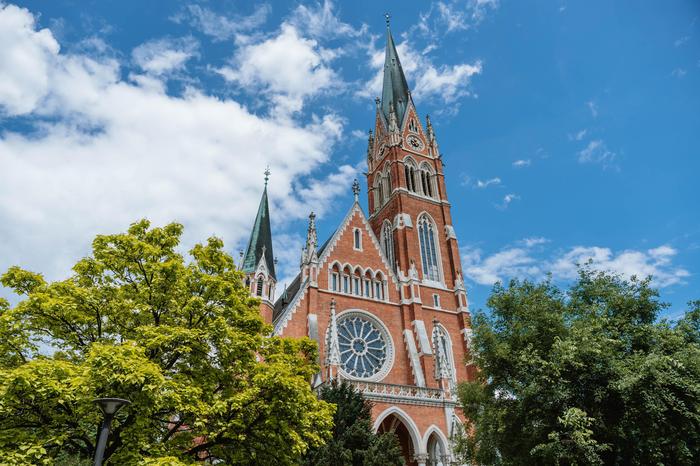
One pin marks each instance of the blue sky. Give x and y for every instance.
(570, 130)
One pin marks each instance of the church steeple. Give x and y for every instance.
(395, 90)
(260, 243)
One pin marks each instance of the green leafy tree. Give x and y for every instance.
(353, 442)
(183, 341)
(584, 376)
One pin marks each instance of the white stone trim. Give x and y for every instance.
(414, 358)
(450, 232)
(423, 341)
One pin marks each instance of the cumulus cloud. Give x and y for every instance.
(26, 60)
(287, 67)
(109, 150)
(220, 27)
(527, 262)
(579, 135)
(165, 55)
(321, 21)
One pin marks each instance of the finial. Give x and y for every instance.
(312, 216)
(276, 260)
(333, 305)
(387, 17)
(267, 174)
(376, 101)
(356, 189)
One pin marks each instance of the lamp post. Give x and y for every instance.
(109, 407)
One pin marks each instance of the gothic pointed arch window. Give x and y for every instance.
(429, 249)
(259, 286)
(387, 240)
(409, 167)
(378, 200)
(442, 348)
(427, 180)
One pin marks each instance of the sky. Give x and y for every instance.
(569, 130)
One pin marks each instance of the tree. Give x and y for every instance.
(183, 341)
(586, 376)
(353, 441)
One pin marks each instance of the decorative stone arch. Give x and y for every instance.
(411, 427)
(444, 442)
(450, 350)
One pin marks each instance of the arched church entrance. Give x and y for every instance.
(393, 423)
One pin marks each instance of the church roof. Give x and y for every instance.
(260, 240)
(395, 88)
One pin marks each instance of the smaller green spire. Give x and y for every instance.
(260, 242)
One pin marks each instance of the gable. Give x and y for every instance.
(341, 248)
(408, 134)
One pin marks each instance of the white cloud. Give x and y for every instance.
(522, 163)
(287, 67)
(534, 241)
(163, 56)
(445, 84)
(526, 263)
(679, 73)
(109, 151)
(655, 262)
(680, 41)
(507, 200)
(26, 58)
(593, 107)
(485, 184)
(320, 21)
(597, 152)
(578, 136)
(219, 27)
(454, 15)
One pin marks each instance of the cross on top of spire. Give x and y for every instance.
(387, 16)
(356, 189)
(267, 174)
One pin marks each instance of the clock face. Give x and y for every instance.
(415, 143)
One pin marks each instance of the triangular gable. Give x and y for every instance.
(412, 113)
(357, 210)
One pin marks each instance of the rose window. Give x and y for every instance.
(364, 350)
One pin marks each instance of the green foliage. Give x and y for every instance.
(588, 376)
(182, 340)
(353, 442)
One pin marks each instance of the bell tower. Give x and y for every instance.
(408, 203)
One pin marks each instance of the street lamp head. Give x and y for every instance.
(110, 406)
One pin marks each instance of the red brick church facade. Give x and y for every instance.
(384, 296)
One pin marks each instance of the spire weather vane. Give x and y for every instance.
(267, 174)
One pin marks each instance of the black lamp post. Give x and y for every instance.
(109, 407)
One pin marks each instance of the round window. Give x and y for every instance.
(365, 348)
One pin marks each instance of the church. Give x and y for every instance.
(384, 296)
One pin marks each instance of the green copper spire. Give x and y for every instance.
(261, 238)
(395, 89)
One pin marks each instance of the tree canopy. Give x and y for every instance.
(353, 442)
(589, 375)
(182, 340)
